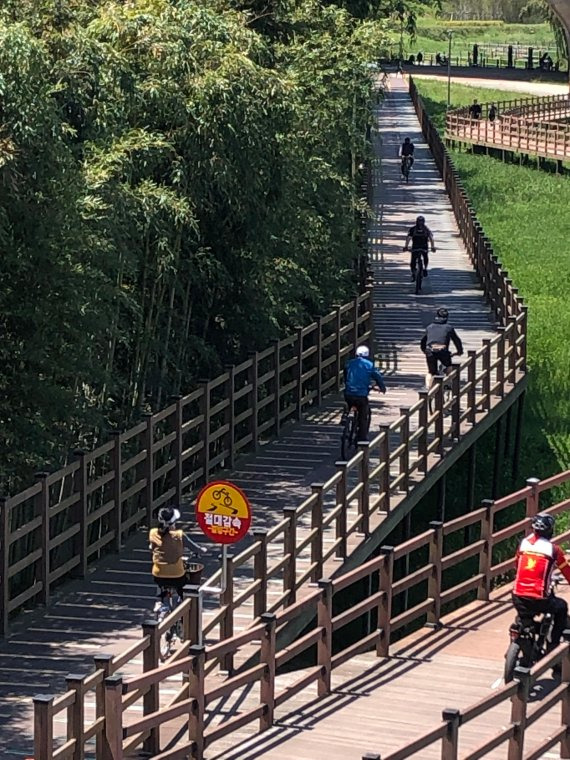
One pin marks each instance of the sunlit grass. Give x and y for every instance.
(525, 214)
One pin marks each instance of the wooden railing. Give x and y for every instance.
(522, 716)
(473, 546)
(54, 528)
(527, 125)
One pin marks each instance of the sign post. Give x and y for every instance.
(223, 513)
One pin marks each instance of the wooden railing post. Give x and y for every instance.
(196, 691)
(364, 499)
(260, 572)
(486, 381)
(43, 512)
(337, 348)
(423, 438)
(254, 382)
(192, 632)
(267, 657)
(319, 355)
(385, 481)
(472, 392)
(114, 717)
(455, 405)
(102, 662)
(230, 415)
(43, 727)
(324, 645)
(385, 581)
(317, 527)
(205, 407)
(565, 715)
(533, 498)
(290, 548)
(434, 581)
(149, 465)
(341, 491)
(500, 373)
(177, 447)
(518, 713)
(151, 702)
(227, 621)
(512, 360)
(117, 490)
(277, 385)
(486, 555)
(450, 741)
(76, 715)
(299, 373)
(4, 564)
(439, 419)
(80, 488)
(405, 454)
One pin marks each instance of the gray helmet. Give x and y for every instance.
(543, 525)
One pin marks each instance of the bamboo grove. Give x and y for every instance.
(177, 188)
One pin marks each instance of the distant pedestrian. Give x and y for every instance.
(420, 58)
(400, 70)
(475, 110)
(493, 112)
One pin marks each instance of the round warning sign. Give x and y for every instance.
(223, 512)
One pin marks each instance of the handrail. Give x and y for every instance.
(260, 642)
(525, 125)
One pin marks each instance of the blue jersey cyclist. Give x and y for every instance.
(359, 373)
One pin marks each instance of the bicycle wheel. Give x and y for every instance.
(511, 661)
(348, 438)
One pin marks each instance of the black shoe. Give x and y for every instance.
(425, 272)
(557, 670)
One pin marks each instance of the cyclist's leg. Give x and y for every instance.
(162, 590)
(426, 260)
(413, 265)
(362, 406)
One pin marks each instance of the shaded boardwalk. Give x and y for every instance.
(104, 612)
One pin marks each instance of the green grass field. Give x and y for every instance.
(525, 214)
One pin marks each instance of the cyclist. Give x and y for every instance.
(167, 547)
(358, 374)
(536, 559)
(407, 149)
(435, 342)
(420, 236)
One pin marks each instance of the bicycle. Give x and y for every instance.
(406, 167)
(164, 607)
(418, 271)
(447, 387)
(349, 438)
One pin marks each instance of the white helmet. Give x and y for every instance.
(363, 351)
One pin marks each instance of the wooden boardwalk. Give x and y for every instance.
(532, 126)
(104, 612)
(379, 705)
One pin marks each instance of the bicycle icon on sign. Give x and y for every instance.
(224, 501)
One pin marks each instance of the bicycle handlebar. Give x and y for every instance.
(197, 548)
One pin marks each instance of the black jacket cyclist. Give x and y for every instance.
(407, 149)
(435, 343)
(420, 237)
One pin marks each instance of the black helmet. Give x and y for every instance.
(543, 525)
(407, 140)
(421, 220)
(442, 314)
(167, 517)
